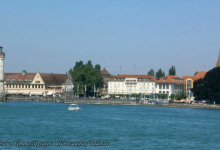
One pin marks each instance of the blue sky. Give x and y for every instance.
(51, 35)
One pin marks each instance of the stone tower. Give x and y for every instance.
(218, 62)
(2, 57)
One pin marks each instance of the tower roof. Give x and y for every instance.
(218, 62)
(105, 72)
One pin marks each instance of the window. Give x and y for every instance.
(30, 81)
(37, 81)
(13, 81)
(8, 81)
(19, 81)
(25, 81)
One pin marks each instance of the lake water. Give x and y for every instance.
(124, 127)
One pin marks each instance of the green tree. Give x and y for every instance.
(85, 75)
(160, 74)
(195, 73)
(98, 67)
(172, 96)
(151, 72)
(172, 71)
(208, 88)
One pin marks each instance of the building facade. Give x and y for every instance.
(30, 84)
(170, 85)
(129, 84)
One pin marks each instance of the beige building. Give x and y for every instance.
(189, 82)
(30, 84)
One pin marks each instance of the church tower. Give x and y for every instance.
(2, 57)
(218, 62)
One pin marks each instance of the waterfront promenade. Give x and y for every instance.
(122, 102)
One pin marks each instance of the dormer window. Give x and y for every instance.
(144, 79)
(8, 81)
(13, 81)
(30, 81)
(19, 81)
(164, 79)
(25, 81)
(115, 78)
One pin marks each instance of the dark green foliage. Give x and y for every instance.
(209, 87)
(86, 75)
(195, 73)
(172, 71)
(98, 67)
(177, 96)
(151, 72)
(80, 63)
(160, 74)
(163, 96)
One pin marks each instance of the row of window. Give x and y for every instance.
(19, 81)
(164, 92)
(25, 86)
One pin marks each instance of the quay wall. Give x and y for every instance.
(102, 101)
(121, 102)
(184, 106)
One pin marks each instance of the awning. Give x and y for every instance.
(26, 93)
(50, 93)
(20, 92)
(12, 92)
(36, 93)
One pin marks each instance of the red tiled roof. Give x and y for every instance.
(142, 77)
(105, 72)
(170, 79)
(200, 75)
(19, 76)
(187, 77)
(53, 79)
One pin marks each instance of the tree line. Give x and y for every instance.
(159, 74)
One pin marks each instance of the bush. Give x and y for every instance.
(171, 101)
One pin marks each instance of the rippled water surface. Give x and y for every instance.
(124, 127)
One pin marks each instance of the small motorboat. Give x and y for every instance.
(73, 107)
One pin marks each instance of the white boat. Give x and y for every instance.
(73, 107)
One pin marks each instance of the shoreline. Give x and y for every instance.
(126, 103)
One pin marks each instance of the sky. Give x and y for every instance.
(124, 36)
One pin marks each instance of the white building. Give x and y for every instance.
(170, 85)
(2, 57)
(129, 84)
